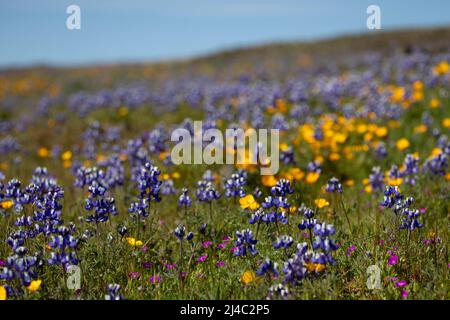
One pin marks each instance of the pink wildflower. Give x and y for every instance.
(392, 260)
(220, 263)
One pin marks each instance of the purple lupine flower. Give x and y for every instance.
(283, 242)
(282, 188)
(234, 186)
(113, 292)
(206, 192)
(184, 199)
(268, 267)
(245, 243)
(333, 185)
(376, 179)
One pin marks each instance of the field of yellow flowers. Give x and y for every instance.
(92, 207)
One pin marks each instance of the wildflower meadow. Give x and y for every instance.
(93, 207)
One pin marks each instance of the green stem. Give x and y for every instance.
(346, 217)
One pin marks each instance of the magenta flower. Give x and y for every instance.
(172, 266)
(169, 266)
(220, 263)
(423, 210)
(401, 283)
(233, 249)
(349, 250)
(134, 275)
(405, 294)
(206, 244)
(144, 248)
(221, 245)
(202, 258)
(155, 279)
(392, 260)
(2, 263)
(147, 265)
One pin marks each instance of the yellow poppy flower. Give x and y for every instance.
(418, 85)
(176, 175)
(381, 132)
(163, 155)
(268, 181)
(248, 202)
(446, 122)
(271, 109)
(441, 68)
(417, 95)
(334, 156)
(165, 176)
(434, 103)
(398, 94)
(281, 105)
(297, 173)
(248, 277)
(402, 144)
(43, 152)
(312, 177)
(3, 294)
(4, 166)
(317, 267)
(349, 183)
(34, 285)
(319, 159)
(133, 242)
(340, 137)
(320, 203)
(66, 156)
(291, 210)
(435, 152)
(394, 181)
(361, 128)
(420, 129)
(284, 146)
(101, 158)
(6, 204)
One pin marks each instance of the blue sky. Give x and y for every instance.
(34, 31)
